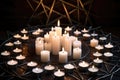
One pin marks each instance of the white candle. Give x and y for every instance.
(46, 37)
(12, 62)
(83, 64)
(63, 56)
(17, 42)
(32, 64)
(99, 47)
(48, 46)
(108, 54)
(86, 35)
(37, 70)
(9, 44)
(85, 31)
(25, 37)
(17, 36)
(76, 44)
(93, 42)
(20, 57)
(97, 54)
(39, 30)
(68, 29)
(45, 56)
(63, 39)
(59, 73)
(17, 50)
(39, 45)
(77, 32)
(69, 66)
(93, 69)
(55, 44)
(58, 30)
(24, 31)
(97, 60)
(5, 53)
(109, 45)
(77, 53)
(102, 38)
(49, 67)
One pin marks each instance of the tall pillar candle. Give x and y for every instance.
(39, 45)
(47, 46)
(45, 56)
(77, 53)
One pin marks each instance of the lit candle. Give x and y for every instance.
(5, 53)
(68, 29)
(83, 64)
(93, 42)
(20, 57)
(108, 54)
(39, 30)
(77, 53)
(85, 31)
(17, 50)
(59, 75)
(98, 61)
(99, 47)
(77, 43)
(109, 45)
(63, 56)
(32, 64)
(45, 56)
(69, 66)
(97, 54)
(49, 68)
(12, 62)
(9, 44)
(37, 70)
(17, 36)
(25, 37)
(24, 31)
(35, 33)
(93, 69)
(58, 29)
(77, 32)
(17, 42)
(39, 45)
(86, 35)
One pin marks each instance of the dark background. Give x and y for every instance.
(14, 15)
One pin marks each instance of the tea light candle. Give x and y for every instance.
(39, 30)
(17, 42)
(32, 64)
(37, 70)
(98, 61)
(25, 37)
(77, 43)
(93, 42)
(24, 31)
(83, 64)
(12, 62)
(17, 36)
(77, 53)
(93, 69)
(108, 54)
(77, 32)
(99, 47)
(59, 74)
(109, 45)
(9, 44)
(17, 50)
(49, 68)
(20, 57)
(86, 35)
(45, 56)
(35, 33)
(5, 53)
(97, 54)
(85, 31)
(63, 56)
(69, 66)
(68, 29)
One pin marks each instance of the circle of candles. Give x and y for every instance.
(83, 64)
(24, 31)
(5, 53)
(17, 50)
(12, 62)
(20, 57)
(32, 64)
(45, 56)
(17, 36)
(59, 75)
(93, 42)
(77, 32)
(37, 70)
(109, 45)
(17, 42)
(69, 68)
(85, 31)
(9, 44)
(108, 54)
(77, 53)
(25, 37)
(97, 54)
(93, 69)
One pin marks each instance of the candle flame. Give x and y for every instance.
(63, 49)
(58, 23)
(93, 66)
